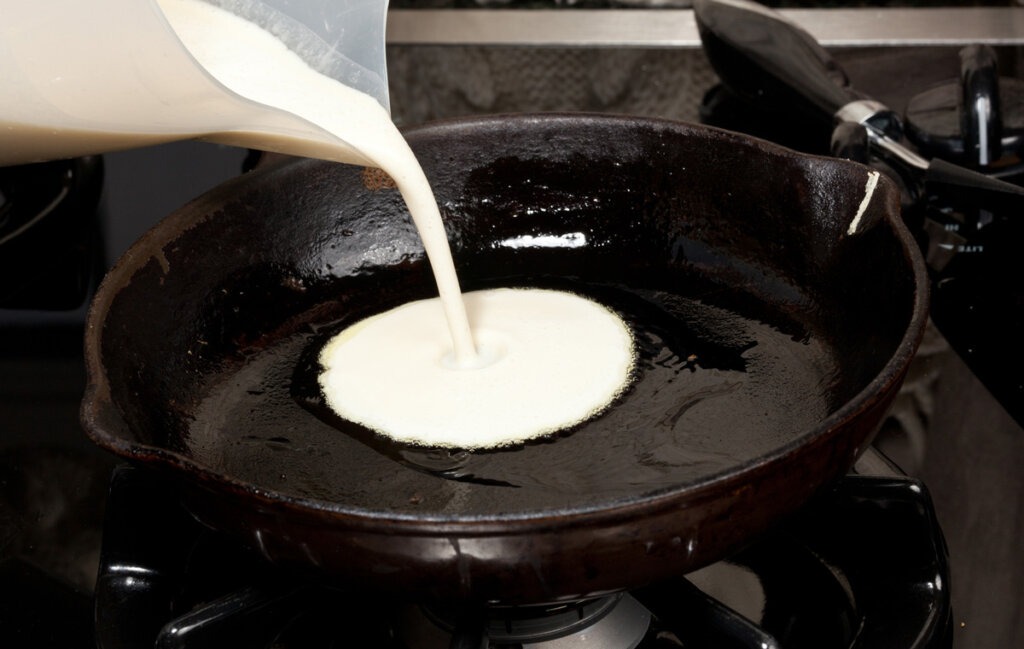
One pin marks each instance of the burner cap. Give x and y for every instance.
(614, 622)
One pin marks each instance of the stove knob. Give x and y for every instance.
(980, 109)
(976, 121)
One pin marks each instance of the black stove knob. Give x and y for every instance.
(976, 121)
(981, 112)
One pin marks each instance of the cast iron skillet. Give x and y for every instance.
(771, 341)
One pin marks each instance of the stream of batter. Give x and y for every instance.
(484, 369)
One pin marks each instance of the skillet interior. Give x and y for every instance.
(729, 251)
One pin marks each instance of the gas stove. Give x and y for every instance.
(864, 566)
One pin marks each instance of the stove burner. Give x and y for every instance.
(864, 567)
(614, 622)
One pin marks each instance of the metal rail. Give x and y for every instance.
(676, 28)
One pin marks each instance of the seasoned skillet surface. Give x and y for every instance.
(760, 324)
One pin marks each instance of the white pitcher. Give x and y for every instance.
(82, 77)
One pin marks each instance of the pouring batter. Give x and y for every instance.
(545, 360)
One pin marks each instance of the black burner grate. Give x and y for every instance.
(864, 567)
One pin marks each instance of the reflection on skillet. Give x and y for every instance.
(714, 388)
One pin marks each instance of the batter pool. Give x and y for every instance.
(547, 360)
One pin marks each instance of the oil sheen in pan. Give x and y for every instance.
(714, 388)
